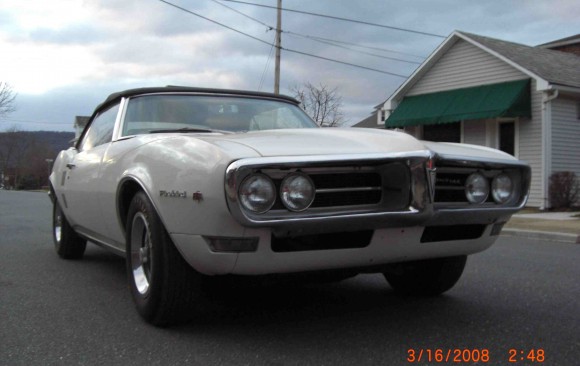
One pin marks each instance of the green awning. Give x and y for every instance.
(511, 99)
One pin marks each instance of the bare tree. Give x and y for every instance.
(7, 97)
(33, 169)
(321, 103)
(14, 146)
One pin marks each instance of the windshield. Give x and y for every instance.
(202, 113)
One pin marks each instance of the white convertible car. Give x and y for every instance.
(191, 183)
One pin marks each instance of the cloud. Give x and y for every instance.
(55, 51)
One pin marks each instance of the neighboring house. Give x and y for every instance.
(375, 120)
(484, 91)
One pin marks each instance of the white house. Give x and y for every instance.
(478, 90)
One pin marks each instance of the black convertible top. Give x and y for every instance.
(186, 89)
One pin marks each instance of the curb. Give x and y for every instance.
(543, 235)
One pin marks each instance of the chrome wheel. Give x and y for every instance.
(164, 287)
(141, 253)
(57, 225)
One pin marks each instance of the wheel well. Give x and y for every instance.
(126, 193)
(51, 193)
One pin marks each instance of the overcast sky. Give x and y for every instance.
(63, 57)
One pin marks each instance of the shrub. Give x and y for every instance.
(563, 190)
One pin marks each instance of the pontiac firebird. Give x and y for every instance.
(190, 184)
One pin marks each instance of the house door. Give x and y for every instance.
(507, 137)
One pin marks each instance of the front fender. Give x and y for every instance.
(172, 172)
(58, 176)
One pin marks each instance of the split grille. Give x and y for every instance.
(347, 198)
(450, 187)
(385, 187)
(450, 183)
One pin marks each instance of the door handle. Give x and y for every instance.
(71, 166)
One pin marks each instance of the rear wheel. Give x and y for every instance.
(67, 243)
(427, 277)
(164, 287)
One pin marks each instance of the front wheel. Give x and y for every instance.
(164, 287)
(429, 277)
(67, 243)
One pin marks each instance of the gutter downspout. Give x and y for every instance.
(547, 145)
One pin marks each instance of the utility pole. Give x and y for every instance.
(278, 46)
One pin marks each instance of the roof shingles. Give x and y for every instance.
(556, 67)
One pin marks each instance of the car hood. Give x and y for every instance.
(454, 150)
(323, 141)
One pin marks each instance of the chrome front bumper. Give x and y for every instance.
(422, 210)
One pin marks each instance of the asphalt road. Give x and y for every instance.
(520, 295)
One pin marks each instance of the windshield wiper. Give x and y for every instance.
(185, 129)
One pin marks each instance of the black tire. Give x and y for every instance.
(428, 277)
(67, 243)
(165, 288)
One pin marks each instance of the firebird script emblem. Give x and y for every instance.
(196, 196)
(173, 194)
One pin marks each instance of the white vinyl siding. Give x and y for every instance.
(414, 131)
(474, 132)
(530, 147)
(463, 66)
(491, 141)
(565, 136)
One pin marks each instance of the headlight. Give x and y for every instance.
(501, 188)
(257, 193)
(476, 188)
(297, 192)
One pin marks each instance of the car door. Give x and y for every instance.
(82, 184)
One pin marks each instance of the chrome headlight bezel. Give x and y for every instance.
(290, 184)
(249, 189)
(476, 188)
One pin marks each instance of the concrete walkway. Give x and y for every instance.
(552, 226)
(551, 216)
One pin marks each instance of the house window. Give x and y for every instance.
(446, 132)
(507, 137)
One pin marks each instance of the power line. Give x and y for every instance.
(215, 22)
(345, 63)
(269, 27)
(340, 18)
(322, 40)
(330, 43)
(285, 49)
(367, 47)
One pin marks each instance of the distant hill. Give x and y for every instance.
(56, 141)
